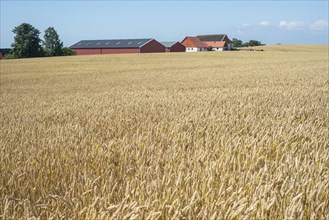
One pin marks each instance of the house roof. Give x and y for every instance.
(193, 42)
(169, 44)
(215, 44)
(212, 37)
(4, 50)
(120, 43)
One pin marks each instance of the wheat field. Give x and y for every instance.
(213, 135)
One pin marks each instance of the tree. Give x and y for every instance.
(52, 44)
(246, 44)
(237, 42)
(210, 48)
(26, 42)
(67, 51)
(9, 56)
(254, 43)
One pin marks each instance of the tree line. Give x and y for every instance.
(240, 43)
(27, 43)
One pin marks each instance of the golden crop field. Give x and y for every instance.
(213, 135)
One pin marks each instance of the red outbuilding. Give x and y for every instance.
(88, 47)
(174, 46)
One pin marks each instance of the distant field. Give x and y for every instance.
(217, 135)
(315, 48)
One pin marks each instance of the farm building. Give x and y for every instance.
(88, 47)
(174, 46)
(194, 44)
(218, 42)
(3, 52)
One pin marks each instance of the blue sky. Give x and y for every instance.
(286, 22)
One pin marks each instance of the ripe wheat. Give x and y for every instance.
(231, 135)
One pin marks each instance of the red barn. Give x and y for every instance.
(174, 46)
(88, 47)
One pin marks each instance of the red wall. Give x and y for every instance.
(105, 51)
(122, 50)
(87, 51)
(153, 47)
(226, 39)
(177, 47)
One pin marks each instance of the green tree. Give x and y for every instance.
(67, 51)
(26, 42)
(9, 56)
(52, 44)
(254, 43)
(210, 48)
(237, 42)
(246, 44)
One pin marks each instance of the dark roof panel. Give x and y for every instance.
(213, 37)
(121, 43)
(5, 50)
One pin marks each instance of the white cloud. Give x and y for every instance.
(291, 25)
(319, 25)
(264, 23)
(246, 25)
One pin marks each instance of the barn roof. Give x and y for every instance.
(212, 37)
(169, 44)
(4, 50)
(193, 42)
(120, 43)
(215, 44)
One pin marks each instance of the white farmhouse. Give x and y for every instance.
(218, 42)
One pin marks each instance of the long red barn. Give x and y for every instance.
(88, 47)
